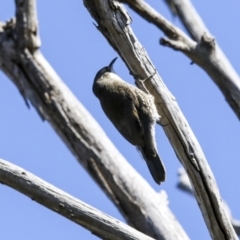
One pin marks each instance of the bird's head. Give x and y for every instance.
(103, 70)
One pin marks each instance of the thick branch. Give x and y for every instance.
(113, 22)
(185, 185)
(205, 52)
(37, 81)
(64, 204)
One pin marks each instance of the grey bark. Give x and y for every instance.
(113, 22)
(22, 61)
(38, 190)
(202, 50)
(214, 62)
(185, 185)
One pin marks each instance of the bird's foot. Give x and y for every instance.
(141, 81)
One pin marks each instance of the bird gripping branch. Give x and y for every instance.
(133, 113)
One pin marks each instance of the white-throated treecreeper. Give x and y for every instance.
(133, 113)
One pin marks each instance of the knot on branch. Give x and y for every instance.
(176, 45)
(164, 42)
(121, 18)
(208, 43)
(10, 24)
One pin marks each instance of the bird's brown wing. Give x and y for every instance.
(121, 109)
(131, 129)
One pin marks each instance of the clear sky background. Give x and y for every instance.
(76, 50)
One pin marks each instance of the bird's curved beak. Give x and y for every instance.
(110, 66)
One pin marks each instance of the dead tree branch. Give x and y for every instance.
(113, 22)
(185, 185)
(38, 83)
(66, 205)
(204, 51)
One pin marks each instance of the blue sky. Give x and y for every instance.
(76, 50)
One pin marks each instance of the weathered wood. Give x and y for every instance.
(202, 50)
(38, 190)
(185, 185)
(39, 84)
(113, 22)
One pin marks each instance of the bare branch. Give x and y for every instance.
(190, 18)
(27, 24)
(113, 22)
(38, 82)
(185, 185)
(179, 40)
(97, 222)
(205, 52)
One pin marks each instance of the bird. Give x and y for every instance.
(133, 113)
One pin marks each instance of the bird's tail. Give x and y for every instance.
(157, 169)
(155, 166)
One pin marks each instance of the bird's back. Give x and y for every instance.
(134, 114)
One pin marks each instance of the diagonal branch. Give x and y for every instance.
(190, 18)
(113, 22)
(97, 222)
(205, 52)
(185, 185)
(132, 195)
